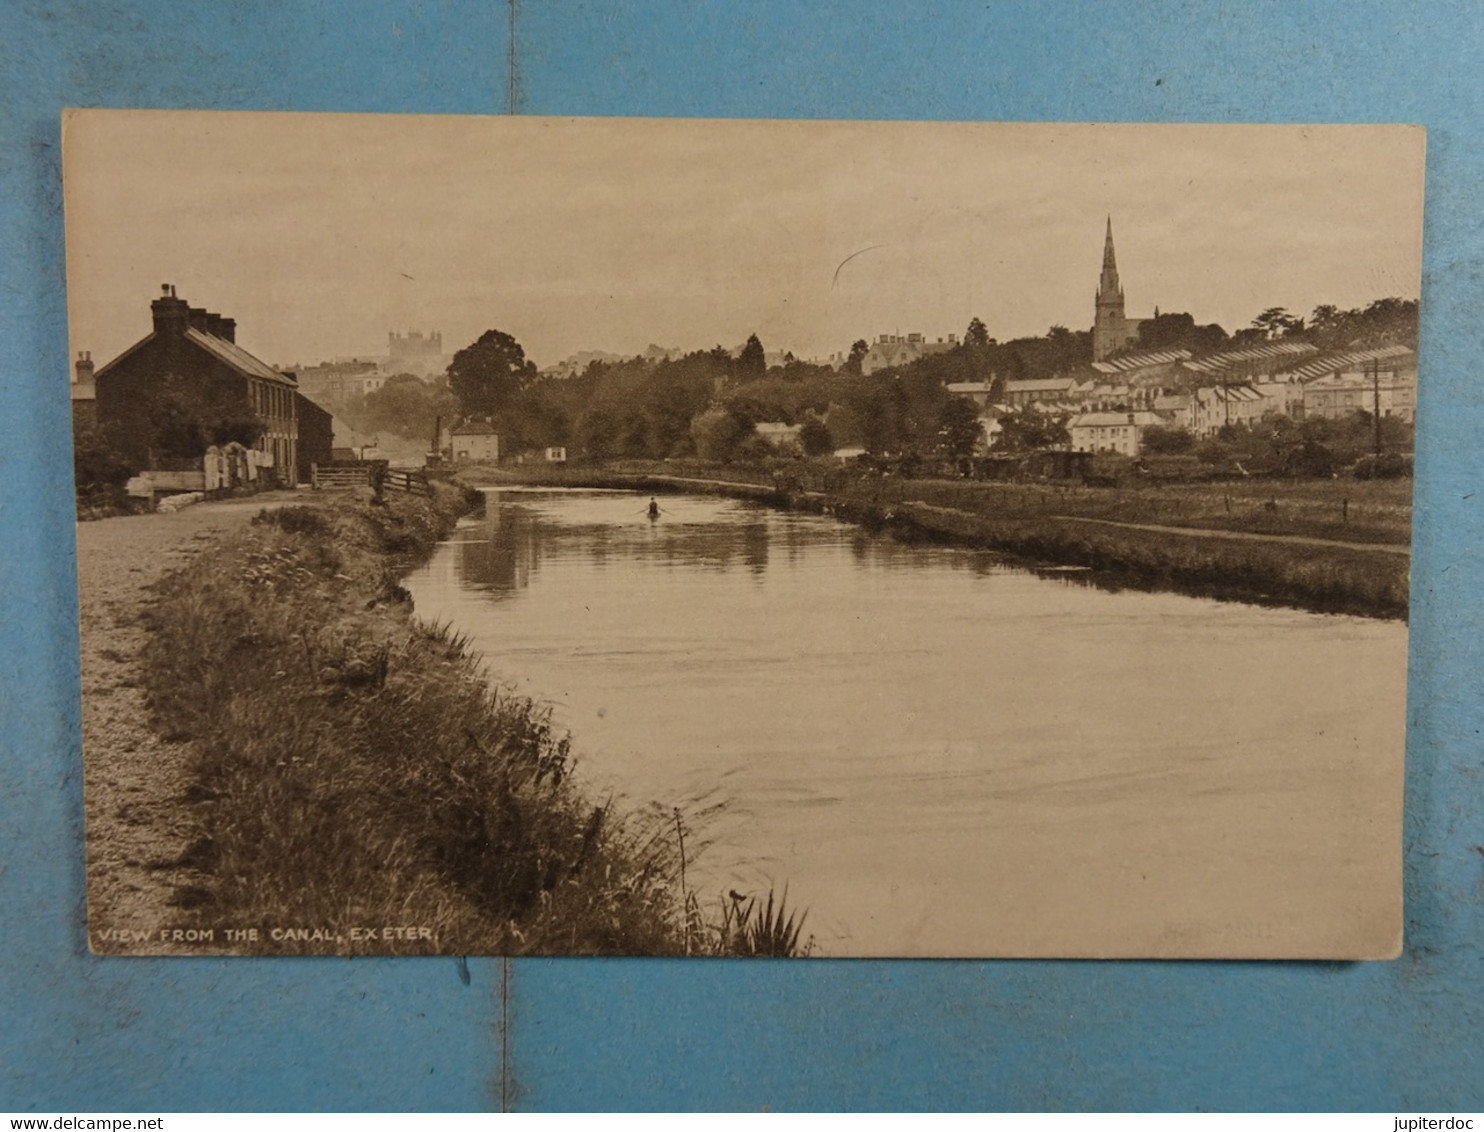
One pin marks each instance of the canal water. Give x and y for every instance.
(944, 754)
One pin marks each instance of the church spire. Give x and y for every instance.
(1108, 283)
(1110, 329)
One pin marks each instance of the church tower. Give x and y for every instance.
(1109, 326)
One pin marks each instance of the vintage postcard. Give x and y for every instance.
(742, 538)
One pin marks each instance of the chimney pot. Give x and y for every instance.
(171, 315)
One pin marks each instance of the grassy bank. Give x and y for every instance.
(1046, 524)
(354, 770)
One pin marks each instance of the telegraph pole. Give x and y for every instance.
(1376, 402)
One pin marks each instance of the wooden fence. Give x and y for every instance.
(341, 475)
(414, 483)
(362, 473)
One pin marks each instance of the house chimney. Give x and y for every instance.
(226, 328)
(199, 319)
(84, 367)
(171, 315)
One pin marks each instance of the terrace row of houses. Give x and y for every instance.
(152, 398)
(1109, 404)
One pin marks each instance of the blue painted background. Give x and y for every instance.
(83, 1033)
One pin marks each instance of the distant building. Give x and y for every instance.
(474, 442)
(1061, 390)
(976, 391)
(334, 383)
(1149, 369)
(1111, 329)
(191, 364)
(415, 353)
(1253, 362)
(1122, 433)
(901, 349)
(1379, 384)
(1215, 406)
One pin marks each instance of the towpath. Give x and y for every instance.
(134, 782)
(754, 490)
(1242, 536)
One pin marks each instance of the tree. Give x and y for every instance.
(487, 377)
(815, 438)
(1028, 429)
(1171, 331)
(184, 418)
(1276, 322)
(752, 361)
(976, 337)
(405, 406)
(958, 427)
(717, 433)
(858, 351)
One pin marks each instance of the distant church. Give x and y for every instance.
(1111, 331)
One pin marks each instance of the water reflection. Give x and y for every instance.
(501, 552)
(941, 752)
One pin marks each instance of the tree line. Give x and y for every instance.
(707, 403)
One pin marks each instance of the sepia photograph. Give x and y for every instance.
(740, 538)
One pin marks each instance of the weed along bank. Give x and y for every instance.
(351, 782)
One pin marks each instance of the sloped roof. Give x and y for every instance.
(236, 357)
(1333, 363)
(1213, 363)
(473, 428)
(1036, 384)
(1230, 393)
(219, 348)
(1101, 420)
(1140, 361)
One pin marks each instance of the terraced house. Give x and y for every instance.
(188, 386)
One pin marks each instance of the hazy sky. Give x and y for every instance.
(321, 232)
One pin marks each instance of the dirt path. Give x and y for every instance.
(138, 822)
(1243, 536)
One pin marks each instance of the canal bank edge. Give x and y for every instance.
(356, 786)
(1314, 574)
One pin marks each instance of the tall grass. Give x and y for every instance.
(354, 770)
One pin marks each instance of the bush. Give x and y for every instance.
(96, 465)
(1161, 441)
(1387, 466)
